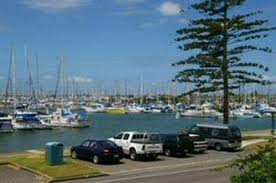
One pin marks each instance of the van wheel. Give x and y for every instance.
(132, 154)
(168, 152)
(74, 155)
(218, 147)
(154, 156)
(96, 159)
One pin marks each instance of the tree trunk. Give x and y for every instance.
(225, 69)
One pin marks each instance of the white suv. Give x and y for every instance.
(139, 144)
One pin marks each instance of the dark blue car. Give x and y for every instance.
(98, 151)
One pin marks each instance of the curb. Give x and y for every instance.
(254, 142)
(49, 179)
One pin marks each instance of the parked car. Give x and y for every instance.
(176, 144)
(139, 144)
(200, 144)
(98, 151)
(219, 136)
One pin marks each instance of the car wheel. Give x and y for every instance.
(154, 156)
(183, 154)
(116, 161)
(96, 159)
(74, 155)
(168, 152)
(218, 147)
(133, 155)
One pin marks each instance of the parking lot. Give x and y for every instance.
(127, 166)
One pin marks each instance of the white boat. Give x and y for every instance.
(246, 112)
(200, 112)
(25, 120)
(134, 108)
(94, 108)
(6, 125)
(65, 118)
(264, 109)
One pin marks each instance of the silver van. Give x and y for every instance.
(219, 136)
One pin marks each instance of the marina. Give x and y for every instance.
(104, 125)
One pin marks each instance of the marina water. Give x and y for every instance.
(107, 125)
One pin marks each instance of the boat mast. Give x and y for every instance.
(141, 89)
(9, 81)
(13, 78)
(31, 88)
(37, 77)
(61, 82)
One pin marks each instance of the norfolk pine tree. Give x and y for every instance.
(218, 40)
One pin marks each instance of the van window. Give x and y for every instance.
(222, 133)
(194, 129)
(154, 137)
(137, 136)
(126, 136)
(235, 132)
(171, 138)
(205, 131)
(119, 136)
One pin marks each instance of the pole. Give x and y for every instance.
(273, 123)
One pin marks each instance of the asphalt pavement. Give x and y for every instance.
(191, 168)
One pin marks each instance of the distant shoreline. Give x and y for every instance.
(264, 133)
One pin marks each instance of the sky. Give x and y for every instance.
(104, 42)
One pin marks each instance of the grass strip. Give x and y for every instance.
(71, 169)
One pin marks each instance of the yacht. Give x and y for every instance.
(25, 120)
(94, 108)
(134, 108)
(264, 109)
(65, 118)
(246, 112)
(200, 112)
(6, 125)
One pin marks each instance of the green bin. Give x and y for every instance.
(54, 153)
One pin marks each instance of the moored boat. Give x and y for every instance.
(65, 118)
(117, 110)
(6, 125)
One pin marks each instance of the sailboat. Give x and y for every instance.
(21, 120)
(63, 117)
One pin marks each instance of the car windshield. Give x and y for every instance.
(154, 138)
(107, 144)
(235, 132)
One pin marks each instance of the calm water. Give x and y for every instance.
(107, 125)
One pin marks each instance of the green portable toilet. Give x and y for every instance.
(54, 153)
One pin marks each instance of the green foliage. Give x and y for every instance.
(218, 34)
(218, 40)
(259, 167)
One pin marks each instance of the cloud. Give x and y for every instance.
(169, 8)
(80, 79)
(53, 6)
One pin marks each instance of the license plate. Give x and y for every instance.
(116, 156)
